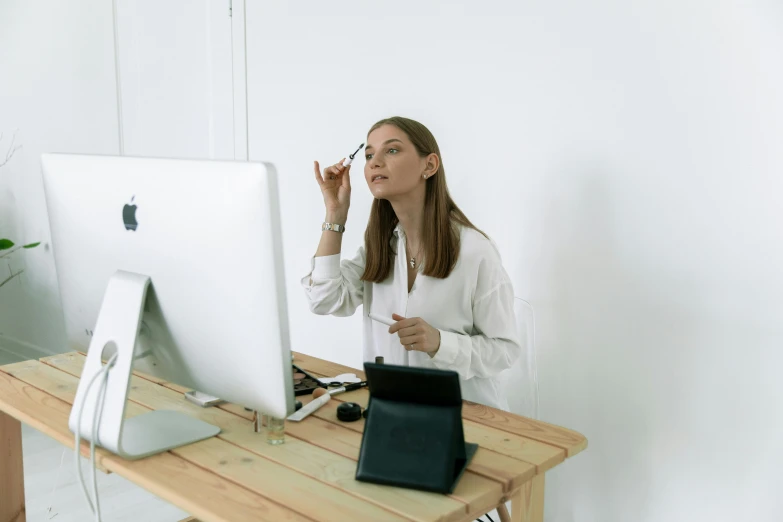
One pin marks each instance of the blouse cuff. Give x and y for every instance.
(448, 351)
(326, 267)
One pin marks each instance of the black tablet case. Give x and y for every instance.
(413, 436)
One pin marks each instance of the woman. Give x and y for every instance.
(423, 264)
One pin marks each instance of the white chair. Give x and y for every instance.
(520, 382)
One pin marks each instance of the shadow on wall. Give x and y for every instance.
(25, 297)
(607, 334)
(31, 320)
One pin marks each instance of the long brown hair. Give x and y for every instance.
(440, 239)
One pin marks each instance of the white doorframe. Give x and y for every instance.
(233, 114)
(118, 82)
(239, 73)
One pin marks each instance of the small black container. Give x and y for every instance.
(349, 412)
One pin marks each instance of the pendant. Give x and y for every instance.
(413, 262)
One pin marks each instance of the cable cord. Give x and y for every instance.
(56, 483)
(103, 374)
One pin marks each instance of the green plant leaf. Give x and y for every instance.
(32, 245)
(5, 244)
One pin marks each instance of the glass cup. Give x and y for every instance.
(275, 429)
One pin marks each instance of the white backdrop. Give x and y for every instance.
(623, 158)
(57, 88)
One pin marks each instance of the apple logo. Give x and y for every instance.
(129, 216)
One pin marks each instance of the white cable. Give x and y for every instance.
(78, 443)
(95, 423)
(102, 373)
(56, 482)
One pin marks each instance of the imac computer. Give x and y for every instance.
(173, 268)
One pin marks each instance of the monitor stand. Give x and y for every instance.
(119, 322)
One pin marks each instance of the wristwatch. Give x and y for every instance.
(334, 227)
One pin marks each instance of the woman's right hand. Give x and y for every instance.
(335, 186)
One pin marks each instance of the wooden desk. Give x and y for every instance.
(237, 476)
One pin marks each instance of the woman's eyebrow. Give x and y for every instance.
(385, 143)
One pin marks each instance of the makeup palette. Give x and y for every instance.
(304, 383)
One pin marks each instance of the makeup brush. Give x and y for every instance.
(310, 408)
(350, 158)
(321, 397)
(319, 392)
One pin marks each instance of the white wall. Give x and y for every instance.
(624, 158)
(57, 88)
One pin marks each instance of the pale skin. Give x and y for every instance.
(396, 172)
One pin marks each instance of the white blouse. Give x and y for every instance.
(473, 308)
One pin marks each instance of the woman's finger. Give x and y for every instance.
(331, 173)
(412, 339)
(409, 331)
(401, 323)
(338, 167)
(318, 176)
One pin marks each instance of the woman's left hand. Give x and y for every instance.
(416, 334)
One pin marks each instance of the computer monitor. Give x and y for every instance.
(177, 266)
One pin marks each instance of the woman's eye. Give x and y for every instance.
(368, 156)
(393, 151)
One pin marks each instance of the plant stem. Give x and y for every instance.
(9, 278)
(9, 252)
(11, 150)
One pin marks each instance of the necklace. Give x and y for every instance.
(413, 258)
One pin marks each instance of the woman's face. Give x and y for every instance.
(393, 166)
